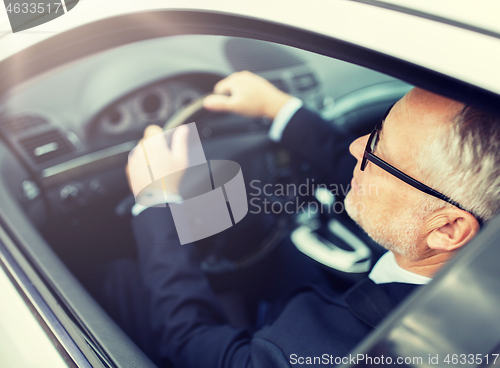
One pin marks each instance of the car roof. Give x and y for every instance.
(465, 54)
(479, 15)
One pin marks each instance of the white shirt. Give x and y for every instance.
(387, 270)
(283, 117)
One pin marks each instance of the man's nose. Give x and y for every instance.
(357, 148)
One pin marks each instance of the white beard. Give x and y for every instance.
(398, 234)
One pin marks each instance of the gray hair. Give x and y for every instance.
(463, 162)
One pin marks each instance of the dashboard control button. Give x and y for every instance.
(73, 194)
(97, 187)
(30, 189)
(69, 193)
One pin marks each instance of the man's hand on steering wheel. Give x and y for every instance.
(246, 94)
(241, 93)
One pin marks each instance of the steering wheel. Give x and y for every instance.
(185, 113)
(248, 241)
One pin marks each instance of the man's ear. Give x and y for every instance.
(450, 228)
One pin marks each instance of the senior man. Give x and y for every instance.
(434, 162)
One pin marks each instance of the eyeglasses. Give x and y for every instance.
(369, 156)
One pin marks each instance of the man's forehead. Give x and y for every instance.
(424, 107)
(412, 123)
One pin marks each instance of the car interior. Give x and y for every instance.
(66, 135)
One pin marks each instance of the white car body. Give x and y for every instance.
(425, 42)
(457, 43)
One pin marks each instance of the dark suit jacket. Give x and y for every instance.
(315, 323)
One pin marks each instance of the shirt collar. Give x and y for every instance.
(387, 270)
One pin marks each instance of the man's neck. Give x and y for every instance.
(427, 266)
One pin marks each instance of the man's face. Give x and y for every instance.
(384, 206)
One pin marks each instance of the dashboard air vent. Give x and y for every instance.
(22, 123)
(46, 146)
(258, 56)
(305, 82)
(280, 84)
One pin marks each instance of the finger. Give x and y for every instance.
(134, 154)
(226, 85)
(217, 102)
(152, 130)
(137, 174)
(127, 174)
(180, 146)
